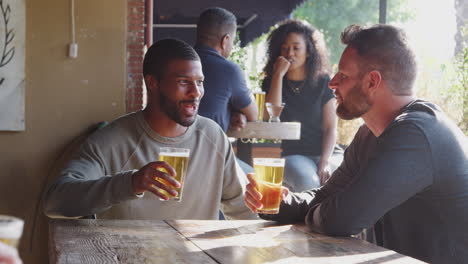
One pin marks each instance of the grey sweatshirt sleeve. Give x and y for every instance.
(83, 188)
(234, 186)
(398, 168)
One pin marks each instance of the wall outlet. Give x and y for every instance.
(73, 50)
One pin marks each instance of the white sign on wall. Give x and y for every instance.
(12, 70)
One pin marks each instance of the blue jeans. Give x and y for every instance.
(301, 172)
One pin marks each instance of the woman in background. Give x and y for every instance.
(297, 74)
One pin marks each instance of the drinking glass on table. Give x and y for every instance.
(11, 229)
(269, 177)
(178, 158)
(260, 100)
(274, 111)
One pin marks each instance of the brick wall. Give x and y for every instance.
(135, 46)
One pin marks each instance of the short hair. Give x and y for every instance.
(162, 52)
(317, 63)
(214, 23)
(384, 48)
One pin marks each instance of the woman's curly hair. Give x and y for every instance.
(316, 63)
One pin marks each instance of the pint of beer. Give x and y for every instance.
(178, 158)
(260, 100)
(11, 229)
(269, 176)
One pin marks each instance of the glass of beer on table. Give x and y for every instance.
(178, 158)
(11, 229)
(260, 100)
(269, 177)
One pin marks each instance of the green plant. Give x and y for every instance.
(331, 17)
(446, 85)
(246, 58)
(457, 92)
(461, 62)
(238, 54)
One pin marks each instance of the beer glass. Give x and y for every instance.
(274, 111)
(269, 177)
(11, 229)
(260, 100)
(178, 158)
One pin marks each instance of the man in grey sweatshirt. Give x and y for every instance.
(115, 173)
(406, 171)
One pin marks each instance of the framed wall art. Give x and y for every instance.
(12, 64)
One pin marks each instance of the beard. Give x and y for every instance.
(173, 109)
(355, 105)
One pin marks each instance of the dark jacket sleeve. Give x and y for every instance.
(293, 209)
(395, 170)
(297, 206)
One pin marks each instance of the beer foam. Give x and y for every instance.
(10, 227)
(174, 154)
(271, 162)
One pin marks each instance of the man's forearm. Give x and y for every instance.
(293, 208)
(71, 197)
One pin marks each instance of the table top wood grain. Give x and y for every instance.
(266, 130)
(205, 241)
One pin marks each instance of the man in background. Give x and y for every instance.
(227, 97)
(228, 101)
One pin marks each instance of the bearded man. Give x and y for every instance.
(406, 170)
(118, 164)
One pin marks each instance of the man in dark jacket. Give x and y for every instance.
(406, 170)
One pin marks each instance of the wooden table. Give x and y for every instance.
(203, 241)
(263, 130)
